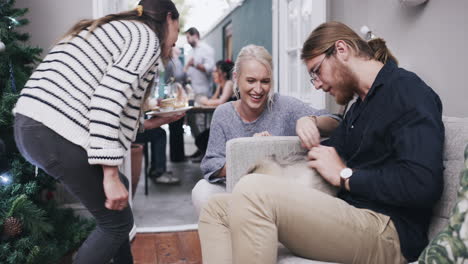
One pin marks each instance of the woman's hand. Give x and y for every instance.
(115, 191)
(203, 100)
(262, 134)
(158, 121)
(306, 129)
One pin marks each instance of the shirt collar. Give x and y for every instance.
(383, 75)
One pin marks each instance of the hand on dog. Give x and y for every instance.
(327, 162)
(306, 129)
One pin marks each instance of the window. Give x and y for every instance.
(293, 20)
(102, 7)
(227, 33)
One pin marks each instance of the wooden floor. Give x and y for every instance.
(167, 248)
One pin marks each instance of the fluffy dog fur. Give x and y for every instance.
(295, 169)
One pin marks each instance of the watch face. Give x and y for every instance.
(346, 173)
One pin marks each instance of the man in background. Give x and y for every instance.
(198, 69)
(174, 72)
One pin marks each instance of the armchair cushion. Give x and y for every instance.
(243, 153)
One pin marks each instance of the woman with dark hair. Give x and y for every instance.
(80, 110)
(223, 93)
(222, 79)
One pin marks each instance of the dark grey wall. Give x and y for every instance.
(251, 24)
(429, 40)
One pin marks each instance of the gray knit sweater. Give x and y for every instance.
(279, 120)
(89, 89)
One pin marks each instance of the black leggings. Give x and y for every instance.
(68, 163)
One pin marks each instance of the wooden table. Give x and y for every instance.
(201, 109)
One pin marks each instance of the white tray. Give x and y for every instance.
(169, 113)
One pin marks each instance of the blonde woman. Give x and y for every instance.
(80, 110)
(258, 112)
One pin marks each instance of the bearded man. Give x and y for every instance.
(386, 156)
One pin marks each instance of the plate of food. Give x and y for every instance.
(168, 107)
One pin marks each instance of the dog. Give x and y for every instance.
(295, 169)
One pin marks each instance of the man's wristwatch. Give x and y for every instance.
(345, 174)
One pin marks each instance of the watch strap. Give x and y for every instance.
(343, 183)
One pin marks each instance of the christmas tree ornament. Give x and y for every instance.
(2, 46)
(4, 178)
(12, 227)
(13, 22)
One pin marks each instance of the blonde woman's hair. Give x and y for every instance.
(323, 39)
(259, 54)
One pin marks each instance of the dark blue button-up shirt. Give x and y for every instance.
(393, 139)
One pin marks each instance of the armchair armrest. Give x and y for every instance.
(243, 153)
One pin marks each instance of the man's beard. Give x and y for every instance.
(346, 83)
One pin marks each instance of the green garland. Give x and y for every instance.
(47, 232)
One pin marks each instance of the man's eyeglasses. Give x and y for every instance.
(314, 74)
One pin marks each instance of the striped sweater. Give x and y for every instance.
(89, 89)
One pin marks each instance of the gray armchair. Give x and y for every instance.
(242, 153)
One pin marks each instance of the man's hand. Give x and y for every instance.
(327, 162)
(158, 121)
(115, 191)
(306, 129)
(189, 64)
(262, 134)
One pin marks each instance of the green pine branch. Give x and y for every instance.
(23, 197)
(32, 217)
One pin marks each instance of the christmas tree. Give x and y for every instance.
(33, 228)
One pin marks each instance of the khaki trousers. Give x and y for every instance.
(244, 227)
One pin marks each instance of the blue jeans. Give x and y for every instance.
(158, 139)
(68, 163)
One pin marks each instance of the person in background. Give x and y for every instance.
(157, 137)
(80, 110)
(174, 69)
(258, 112)
(224, 85)
(386, 156)
(198, 69)
(223, 93)
(174, 73)
(201, 63)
